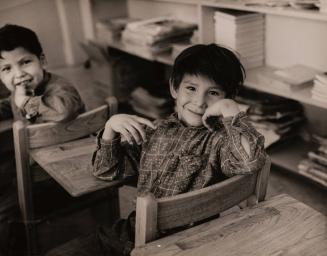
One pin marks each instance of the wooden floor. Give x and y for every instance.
(85, 221)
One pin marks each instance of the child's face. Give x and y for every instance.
(194, 95)
(19, 67)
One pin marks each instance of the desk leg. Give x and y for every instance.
(107, 212)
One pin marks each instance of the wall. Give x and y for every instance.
(42, 16)
(292, 41)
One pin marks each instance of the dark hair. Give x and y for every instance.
(213, 62)
(14, 36)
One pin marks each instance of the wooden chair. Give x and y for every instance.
(64, 151)
(153, 214)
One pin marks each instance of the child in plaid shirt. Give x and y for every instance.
(206, 141)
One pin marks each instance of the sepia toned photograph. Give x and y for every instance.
(163, 127)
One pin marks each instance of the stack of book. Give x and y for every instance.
(153, 36)
(319, 89)
(315, 165)
(275, 117)
(109, 31)
(244, 33)
(304, 4)
(288, 79)
(149, 105)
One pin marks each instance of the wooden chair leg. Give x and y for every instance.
(108, 211)
(114, 208)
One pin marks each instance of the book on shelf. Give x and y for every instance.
(287, 80)
(296, 74)
(269, 3)
(237, 15)
(313, 170)
(144, 39)
(233, 28)
(320, 140)
(318, 157)
(319, 89)
(160, 26)
(242, 31)
(109, 30)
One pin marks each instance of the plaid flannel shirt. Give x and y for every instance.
(178, 158)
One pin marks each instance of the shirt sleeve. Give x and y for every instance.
(5, 109)
(59, 103)
(115, 159)
(233, 157)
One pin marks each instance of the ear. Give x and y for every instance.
(173, 91)
(43, 60)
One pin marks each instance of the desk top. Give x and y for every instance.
(278, 226)
(69, 165)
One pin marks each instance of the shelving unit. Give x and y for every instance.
(301, 95)
(281, 11)
(292, 36)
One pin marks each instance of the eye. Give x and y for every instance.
(215, 93)
(26, 62)
(190, 88)
(5, 69)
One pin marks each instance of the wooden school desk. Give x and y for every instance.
(279, 226)
(69, 165)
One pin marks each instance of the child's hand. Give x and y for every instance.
(21, 95)
(224, 108)
(131, 127)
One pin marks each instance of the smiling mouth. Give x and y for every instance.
(196, 113)
(24, 83)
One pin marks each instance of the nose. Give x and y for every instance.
(199, 100)
(19, 72)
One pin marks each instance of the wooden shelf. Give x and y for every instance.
(288, 154)
(164, 58)
(302, 95)
(281, 11)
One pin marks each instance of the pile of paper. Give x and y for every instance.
(288, 79)
(319, 89)
(153, 36)
(244, 33)
(275, 117)
(304, 4)
(109, 31)
(315, 165)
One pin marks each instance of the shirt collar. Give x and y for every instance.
(41, 87)
(173, 120)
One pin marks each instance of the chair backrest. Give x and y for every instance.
(28, 137)
(153, 214)
(51, 133)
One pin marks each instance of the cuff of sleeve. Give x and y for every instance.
(31, 107)
(234, 120)
(104, 143)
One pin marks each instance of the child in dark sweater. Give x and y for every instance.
(36, 95)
